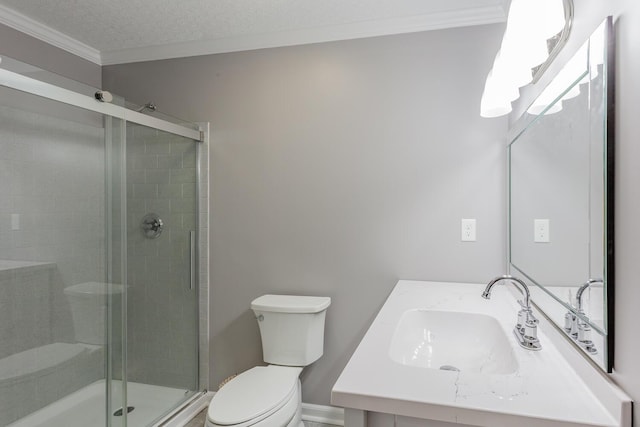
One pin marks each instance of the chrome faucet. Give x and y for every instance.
(526, 330)
(576, 327)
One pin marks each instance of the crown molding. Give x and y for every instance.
(411, 24)
(40, 31)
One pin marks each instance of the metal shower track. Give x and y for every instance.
(46, 90)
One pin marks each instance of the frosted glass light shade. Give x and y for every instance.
(550, 17)
(530, 24)
(496, 98)
(567, 77)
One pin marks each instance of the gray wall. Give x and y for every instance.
(588, 15)
(28, 49)
(337, 169)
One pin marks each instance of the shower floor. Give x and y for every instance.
(86, 407)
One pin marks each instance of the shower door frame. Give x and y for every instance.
(194, 268)
(52, 92)
(46, 90)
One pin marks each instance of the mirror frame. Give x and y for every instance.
(609, 213)
(609, 200)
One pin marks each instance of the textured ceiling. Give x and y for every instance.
(112, 25)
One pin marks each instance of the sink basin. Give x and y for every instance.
(452, 341)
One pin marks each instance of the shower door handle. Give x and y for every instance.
(192, 259)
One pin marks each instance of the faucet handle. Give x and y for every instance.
(584, 338)
(569, 318)
(526, 314)
(529, 337)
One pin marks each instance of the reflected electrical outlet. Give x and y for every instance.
(541, 231)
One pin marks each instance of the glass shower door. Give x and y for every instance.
(162, 297)
(98, 258)
(53, 296)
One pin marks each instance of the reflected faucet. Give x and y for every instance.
(584, 288)
(526, 330)
(576, 327)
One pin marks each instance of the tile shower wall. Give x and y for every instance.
(51, 237)
(161, 174)
(52, 207)
(52, 193)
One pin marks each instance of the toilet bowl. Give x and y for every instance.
(292, 332)
(263, 396)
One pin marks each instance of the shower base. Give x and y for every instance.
(86, 407)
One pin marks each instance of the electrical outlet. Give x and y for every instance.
(15, 221)
(541, 231)
(468, 230)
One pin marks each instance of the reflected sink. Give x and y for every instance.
(448, 340)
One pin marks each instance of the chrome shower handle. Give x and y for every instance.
(152, 226)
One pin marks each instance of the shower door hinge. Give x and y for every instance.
(201, 136)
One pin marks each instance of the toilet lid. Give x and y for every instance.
(253, 393)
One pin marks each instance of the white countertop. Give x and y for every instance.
(544, 391)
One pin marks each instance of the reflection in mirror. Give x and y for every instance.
(560, 198)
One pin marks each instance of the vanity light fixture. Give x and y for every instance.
(591, 53)
(536, 29)
(566, 78)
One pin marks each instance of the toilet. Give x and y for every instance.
(292, 331)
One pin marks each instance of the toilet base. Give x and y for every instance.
(296, 421)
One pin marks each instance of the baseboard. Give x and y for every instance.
(321, 414)
(318, 414)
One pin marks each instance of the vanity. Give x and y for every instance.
(438, 355)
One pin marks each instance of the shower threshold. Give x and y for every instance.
(86, 407)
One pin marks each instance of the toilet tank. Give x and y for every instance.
(291, 327)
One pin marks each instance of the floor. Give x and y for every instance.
(199, 420)
(86, 407)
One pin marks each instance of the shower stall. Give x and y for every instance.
(100, 241)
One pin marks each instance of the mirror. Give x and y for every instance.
(561, 198)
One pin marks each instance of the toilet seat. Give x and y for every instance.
(255, 395)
